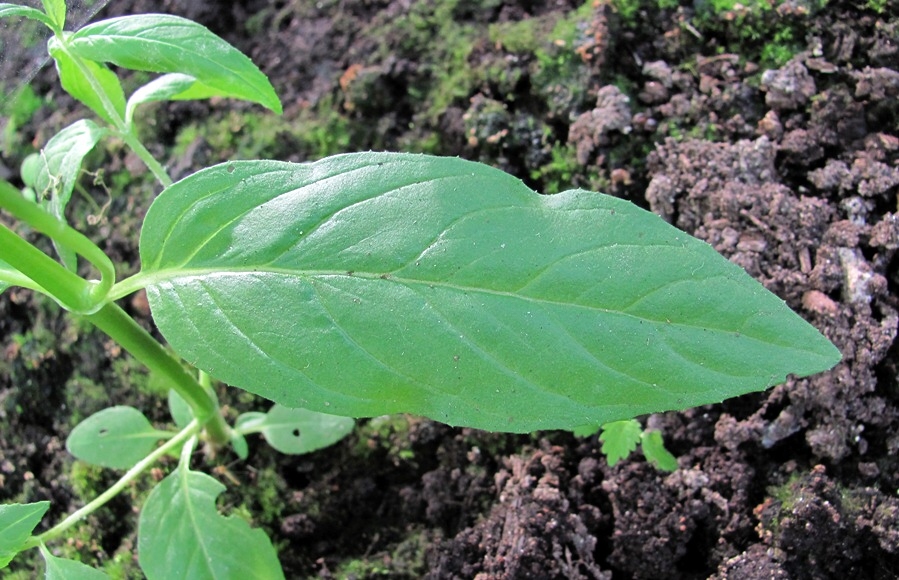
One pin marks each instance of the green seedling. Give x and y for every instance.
(356, 286)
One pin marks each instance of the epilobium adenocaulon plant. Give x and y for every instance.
(361, 285)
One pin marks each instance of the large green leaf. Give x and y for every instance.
(171, 44)
(181, 535)
(376, 283)
(17, 521)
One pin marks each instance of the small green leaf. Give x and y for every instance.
(586, 430)
(298, 431)
(376, 283)
(30, 169)
(182, 535)
(58, 165)
(244, 424)
(63, 569)
(248, 422)
(54, 172)
(74, 82)
(67, 256)
(654, 450)
(27, 12)
(17, 522)
(56, 10)
(117, 437)
(239, 443)
(29, 194)
(172, 87)
(179, 409)
(619, 439)
(171, 44)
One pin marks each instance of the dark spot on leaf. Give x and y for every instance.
(230, 169)
(103, 432)
(295, 432)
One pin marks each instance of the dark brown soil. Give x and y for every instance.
(772, 134)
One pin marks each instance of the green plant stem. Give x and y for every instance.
(69, 290)
(112, 320)
(184, 457)
(117, 487)
(90, 300)
(75, 293)
(154, 166)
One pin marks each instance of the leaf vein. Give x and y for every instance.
(347, 335)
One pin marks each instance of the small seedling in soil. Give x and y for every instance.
(356, 286)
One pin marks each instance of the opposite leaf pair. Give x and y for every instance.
(119, 437)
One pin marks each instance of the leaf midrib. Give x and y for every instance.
(144, 280)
